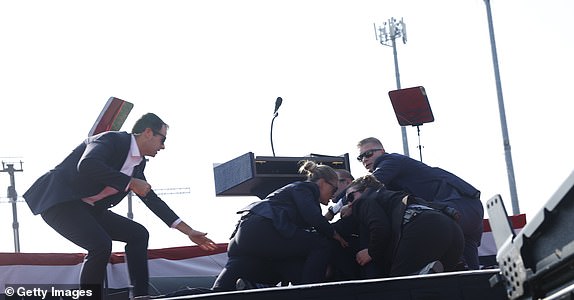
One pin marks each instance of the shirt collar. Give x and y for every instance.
(134, 150)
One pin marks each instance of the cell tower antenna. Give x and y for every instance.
(387, 34)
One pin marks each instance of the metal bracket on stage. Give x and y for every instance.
(537, 262)
(248, 175)
(508, 255)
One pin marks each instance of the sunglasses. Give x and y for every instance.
(367, 154)
(163, 137)
(351, 196)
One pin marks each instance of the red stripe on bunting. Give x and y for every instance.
(517, 221)
(64, 259)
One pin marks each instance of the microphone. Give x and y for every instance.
(277, 104)
(275, 114)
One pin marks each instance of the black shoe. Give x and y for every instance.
(461, 266)
(432, 268)
(243, 284)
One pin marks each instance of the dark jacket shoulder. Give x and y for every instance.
(293, 206)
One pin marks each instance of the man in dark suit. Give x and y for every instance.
(74, 198)
(402, 173)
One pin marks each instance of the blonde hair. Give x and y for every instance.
(314, 171)
(370, 140)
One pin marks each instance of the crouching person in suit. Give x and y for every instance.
(284, 234)
(403, 234)
(74, 198)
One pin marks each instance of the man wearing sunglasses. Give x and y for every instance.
(402, 173)
(74, 198)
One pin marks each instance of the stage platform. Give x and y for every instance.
(467, 285)
(178, 269)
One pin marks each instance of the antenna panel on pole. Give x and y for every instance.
(404, 31)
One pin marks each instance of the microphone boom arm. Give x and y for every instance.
(275, 114)
(272, 121)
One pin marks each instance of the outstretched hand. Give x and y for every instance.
(201, 239)
(198, 237)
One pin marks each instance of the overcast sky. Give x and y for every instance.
(213, 69)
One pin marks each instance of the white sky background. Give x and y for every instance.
(213, 69)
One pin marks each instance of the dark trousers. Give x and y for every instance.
(259, 252)
(94, 229)
(430, 236)
(344, 265)
(472, 215)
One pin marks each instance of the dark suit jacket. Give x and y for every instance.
(293, 206)
(380, 214)
(402, 173)
(93, 165)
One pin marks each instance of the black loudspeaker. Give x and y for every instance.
(248, 175)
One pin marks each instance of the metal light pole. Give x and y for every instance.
(506, 141)
(386, 35)
(13, 196)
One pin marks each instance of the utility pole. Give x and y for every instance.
(13, 196)
(501, 110)
(387, 35)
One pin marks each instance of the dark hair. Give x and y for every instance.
(315, 172)
(149, 120)
(344, 174)
(364, 182)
